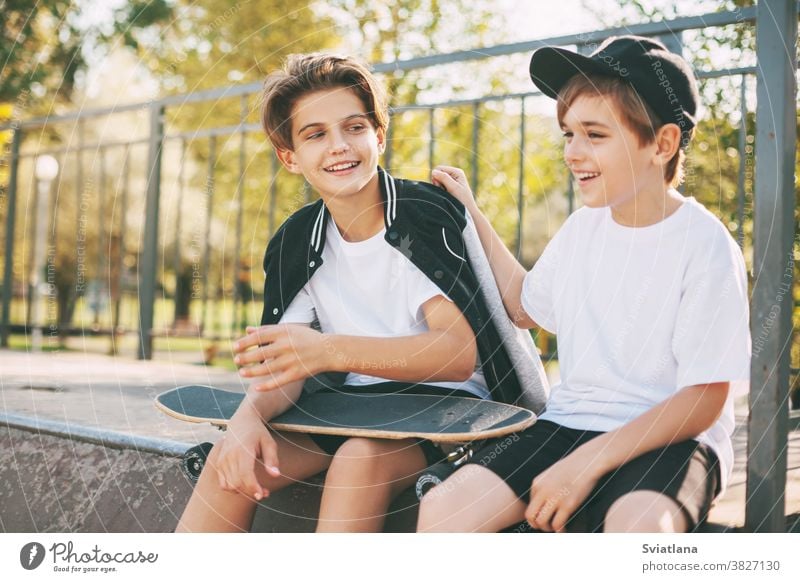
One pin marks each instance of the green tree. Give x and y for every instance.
(45, 49)
(412, 28)
(213, 44)
(45, 45)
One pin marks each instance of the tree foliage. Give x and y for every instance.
(238, 44)
(45, 45)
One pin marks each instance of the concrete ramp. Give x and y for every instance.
(56, 477)
(62, 478)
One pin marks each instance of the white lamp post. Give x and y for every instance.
(46, 171)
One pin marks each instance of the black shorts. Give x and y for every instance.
(686, 472)
(433, 454)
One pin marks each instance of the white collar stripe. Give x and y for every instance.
(394, 198)
(320, 227)
(316, 234)
(388, 190)
(314, 231)
(444, 237)
(391, 198)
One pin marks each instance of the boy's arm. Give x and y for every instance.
(558, 492)
(287, 353)
(507, 271)
(265, 406)
(247, 442)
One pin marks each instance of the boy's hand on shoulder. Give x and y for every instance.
(244, 456)
(455, 182)
(559, 491)
(275, 355)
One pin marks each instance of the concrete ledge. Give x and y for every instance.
(60, 484)
(56, 477)
(59, 477)
(109, 439)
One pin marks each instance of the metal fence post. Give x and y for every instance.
(212, 161)
(771, 322)
(11, 211)
(176, 252)
(148, 264)
(102, 258)
(123, 223)
(740, 188)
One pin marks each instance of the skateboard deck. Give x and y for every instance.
(441, 419)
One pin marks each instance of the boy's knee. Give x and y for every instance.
(358, 450)
(645, 512)
(356, 456)
(434, 509)
(375, 462)
(441, 503)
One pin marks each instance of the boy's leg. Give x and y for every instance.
(645, 512)
(212, 509)
(363, 478)
(666, 490)
(473, 499)
(493, 490)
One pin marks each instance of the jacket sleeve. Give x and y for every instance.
(272, 262)
(518, 342)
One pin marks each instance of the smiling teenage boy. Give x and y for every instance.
(378, 264)
(647, 293)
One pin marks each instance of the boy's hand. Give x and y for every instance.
(283, 353)
(455, 182)
(559, 491)
(244, 455)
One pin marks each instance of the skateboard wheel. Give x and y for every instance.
(432, 477)
(195, 459)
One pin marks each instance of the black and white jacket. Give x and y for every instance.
(428, 226)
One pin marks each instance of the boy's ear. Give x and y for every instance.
(381, 133)
(668, 141)
(286, 158)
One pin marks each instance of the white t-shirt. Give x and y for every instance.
(369, 288)
(641, 313)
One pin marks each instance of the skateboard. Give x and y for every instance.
(441, 419)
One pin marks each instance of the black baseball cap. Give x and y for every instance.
(661, 78)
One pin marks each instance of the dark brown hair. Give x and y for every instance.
(308, 73)
(635, 113)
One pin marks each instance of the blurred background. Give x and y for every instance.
(149, 110)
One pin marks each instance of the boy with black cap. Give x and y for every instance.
(647, 293)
